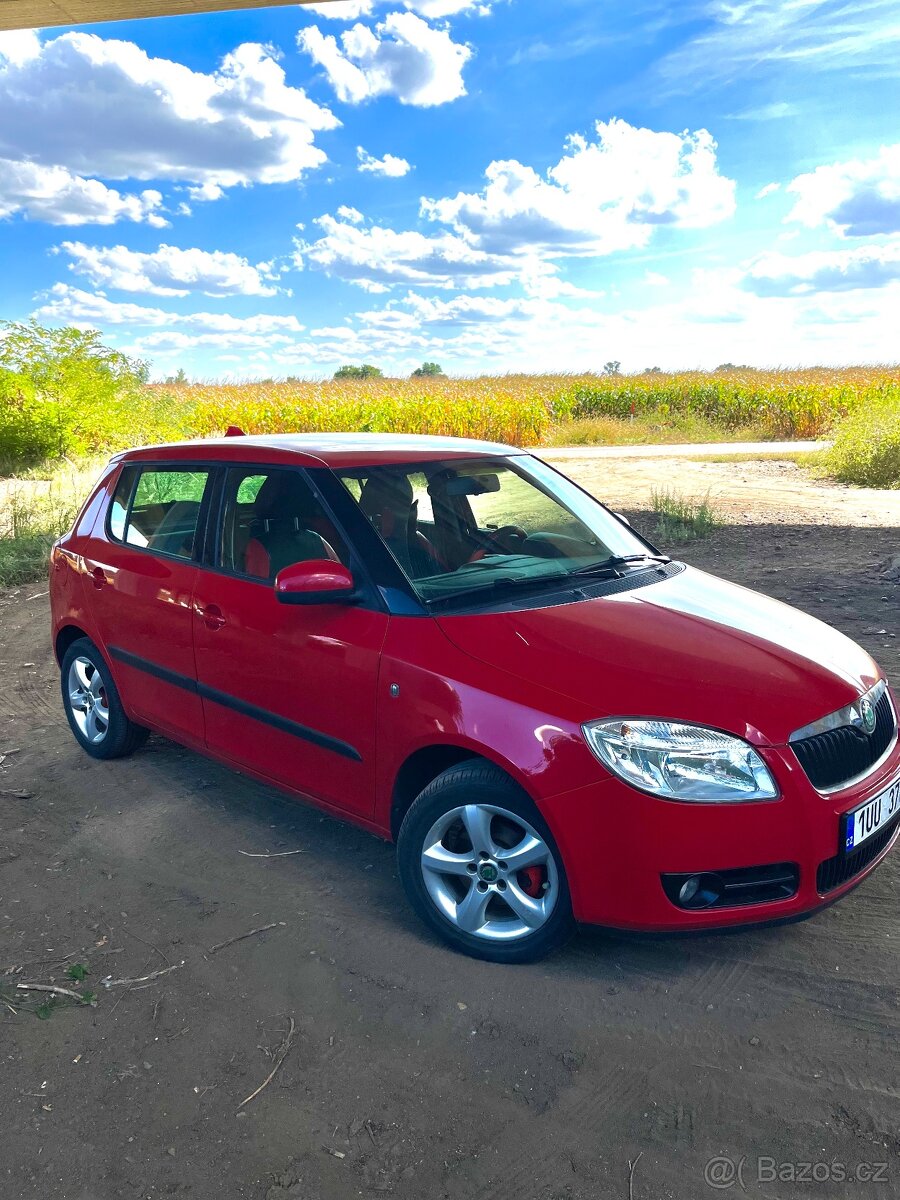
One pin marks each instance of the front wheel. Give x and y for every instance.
(480, 867)
(93, 707)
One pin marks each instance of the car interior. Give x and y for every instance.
(438, 518)
(272, 521)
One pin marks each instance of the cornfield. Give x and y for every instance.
(523, 409)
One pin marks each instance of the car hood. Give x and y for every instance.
(690, 648)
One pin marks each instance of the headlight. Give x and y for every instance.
(680, 761)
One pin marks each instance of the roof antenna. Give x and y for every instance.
(234, 431)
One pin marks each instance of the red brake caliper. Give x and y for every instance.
(531, 881)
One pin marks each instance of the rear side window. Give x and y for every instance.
(160, 511)
(271, 518)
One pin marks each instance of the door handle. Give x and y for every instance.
(211, 616)
(98, 577)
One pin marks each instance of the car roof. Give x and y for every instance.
(323, 449)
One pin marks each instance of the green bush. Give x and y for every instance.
(28, 430)
(64, 393)
(866, 448)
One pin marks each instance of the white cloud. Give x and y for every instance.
(59, 197)
(346, 213)
(389, 165)
(749, 36)
(341, 10)
(768, 190)
(864, 267)
(403, 56)
(171, 271)
(417, 311)
(375, 257)
(69, 305)
(103, 107)
(352, 10)
(715, 319)
(19, 45)
(857, 198)
(205, 192)
(602, 195)
(776, 111)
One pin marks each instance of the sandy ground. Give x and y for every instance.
(416, 1073)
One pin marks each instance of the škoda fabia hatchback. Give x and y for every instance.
(454, 646)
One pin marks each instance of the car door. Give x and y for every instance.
(289, 691)
(141, 568)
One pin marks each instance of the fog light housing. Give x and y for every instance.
(734, 888)
(700, 891)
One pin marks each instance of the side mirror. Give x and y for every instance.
(623, 518)
(318, 581)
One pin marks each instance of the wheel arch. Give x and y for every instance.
(64, 639)
(425, 764)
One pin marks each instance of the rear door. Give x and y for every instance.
(289, 691)
(141, 572)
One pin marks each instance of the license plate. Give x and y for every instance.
(865, 821)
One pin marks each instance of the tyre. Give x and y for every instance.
(480, 867)
(93, 707)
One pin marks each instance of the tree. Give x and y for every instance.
(427, 368)
(612, 368)
(180, 377)
(85, 394)
(366, 371)
(653, 370)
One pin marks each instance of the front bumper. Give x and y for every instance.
(617, 843)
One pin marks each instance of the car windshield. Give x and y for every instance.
(459, 527)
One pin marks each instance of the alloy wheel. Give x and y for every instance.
(489, 872)
(88, 700)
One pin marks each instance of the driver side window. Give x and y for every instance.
(271, 519)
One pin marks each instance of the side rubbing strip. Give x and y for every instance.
(237, 705)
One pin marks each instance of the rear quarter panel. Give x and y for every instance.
(70, 589)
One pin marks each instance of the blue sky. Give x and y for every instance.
(498, 185)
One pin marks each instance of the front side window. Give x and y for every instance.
(461, 526)
(162, 512)
(271, 518)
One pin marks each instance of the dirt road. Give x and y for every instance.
(416, 1073)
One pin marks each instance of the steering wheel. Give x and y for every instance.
(507, 536)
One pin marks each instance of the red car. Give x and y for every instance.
(454, 646)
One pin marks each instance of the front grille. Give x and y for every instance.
(843, 867)
(833, 758)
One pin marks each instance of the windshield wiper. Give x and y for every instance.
(503, 584)
(619, 560)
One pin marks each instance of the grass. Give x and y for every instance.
(680, 518)
(809, 459)
(34, 511)
(648, 430)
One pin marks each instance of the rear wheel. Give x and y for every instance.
(93, 707)
(480, 867)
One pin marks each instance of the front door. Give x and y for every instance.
(288, 691)
(141, 571)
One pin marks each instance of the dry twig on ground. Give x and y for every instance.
(240, 937)
(108, 983)
(280, 1056)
